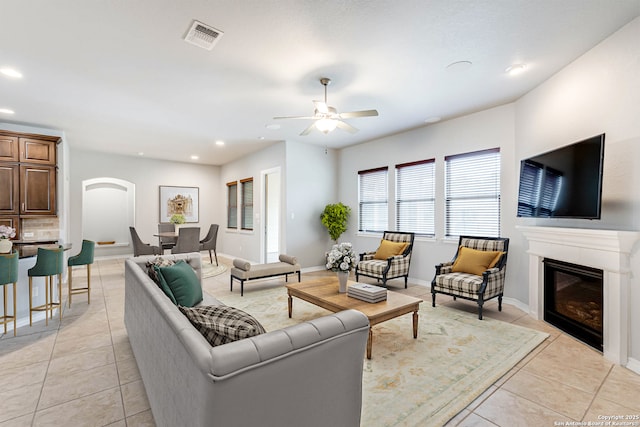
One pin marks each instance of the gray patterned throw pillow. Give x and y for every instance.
(158, 262)
(220, 324)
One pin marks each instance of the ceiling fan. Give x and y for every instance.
(327, 118)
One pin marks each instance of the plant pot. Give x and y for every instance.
(343, 276)
(5, 246)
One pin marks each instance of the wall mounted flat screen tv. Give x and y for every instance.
(563, 183)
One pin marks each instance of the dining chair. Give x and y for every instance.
(188, 240)
(141, 248)
(85, 257)
(166, 242)
(209, 242)
(8, 276)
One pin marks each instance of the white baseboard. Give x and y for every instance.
(633, 365)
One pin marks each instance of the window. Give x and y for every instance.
(247, 204)
(415, 197)
(232, 204)
(373, 210)
(472, 194)
(539, 190)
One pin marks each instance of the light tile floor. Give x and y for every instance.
(81, 371)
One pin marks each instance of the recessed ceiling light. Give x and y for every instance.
(140, 153)
(272, 126)
(219, 143)
(6, 111)
(432, 119)
(515, 69)
(194, 157)
(10, 72)
(459, 66)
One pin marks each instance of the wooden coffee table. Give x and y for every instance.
(323, 292)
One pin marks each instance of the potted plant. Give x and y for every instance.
(334, 218)
(177, 220)
(6, 233)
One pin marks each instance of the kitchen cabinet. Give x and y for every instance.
(37, 190)
(28, 174)
(37, 151)
(9, 193)
(9, 148)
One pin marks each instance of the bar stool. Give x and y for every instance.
(8, 275)
(85, 257)
(49, 263)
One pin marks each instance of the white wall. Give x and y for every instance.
(241, 243)
(311, 184)
(487, 129)
(599, 92)
(147, 175)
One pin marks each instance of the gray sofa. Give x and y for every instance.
(309, 374)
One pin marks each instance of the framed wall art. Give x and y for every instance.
(179, 200)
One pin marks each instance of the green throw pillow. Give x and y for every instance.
(182, 282)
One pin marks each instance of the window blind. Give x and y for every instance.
(472, 194)
(415, 197)
(247, 204)
(232, 204)
(372, 200)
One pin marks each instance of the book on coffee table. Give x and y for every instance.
(366, 292)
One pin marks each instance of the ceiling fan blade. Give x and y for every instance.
(363, 113)
(308, 130)
(346, 126)
(321, 106)
(295, 117)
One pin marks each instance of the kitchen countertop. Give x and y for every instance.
(30, 249)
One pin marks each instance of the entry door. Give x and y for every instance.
(272, 215)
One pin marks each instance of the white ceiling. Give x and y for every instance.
(117, 76)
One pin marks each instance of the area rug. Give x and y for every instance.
(415, 382)
(210, 270)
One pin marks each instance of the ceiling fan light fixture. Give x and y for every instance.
(326, 125)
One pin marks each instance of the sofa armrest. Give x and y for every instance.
(444, 268)
(285, 375)
(367, 256)
(250, 353)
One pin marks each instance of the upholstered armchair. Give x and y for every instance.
(390, 261)
(476, 273)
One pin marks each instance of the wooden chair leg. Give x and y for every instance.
(60, 295)
(70, 282)
(30, 300)
(4, 308)
(47, 302)
(15, 307)
(88, 283)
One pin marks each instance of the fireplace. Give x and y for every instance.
(573, 300)
(609, 250)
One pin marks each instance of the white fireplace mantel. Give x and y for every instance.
(608, 250)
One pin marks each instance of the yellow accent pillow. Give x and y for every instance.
(496, 259)
(388, 249)
(473, 261)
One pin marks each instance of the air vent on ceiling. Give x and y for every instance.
(203, 35)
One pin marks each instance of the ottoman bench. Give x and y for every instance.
(242, 270)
